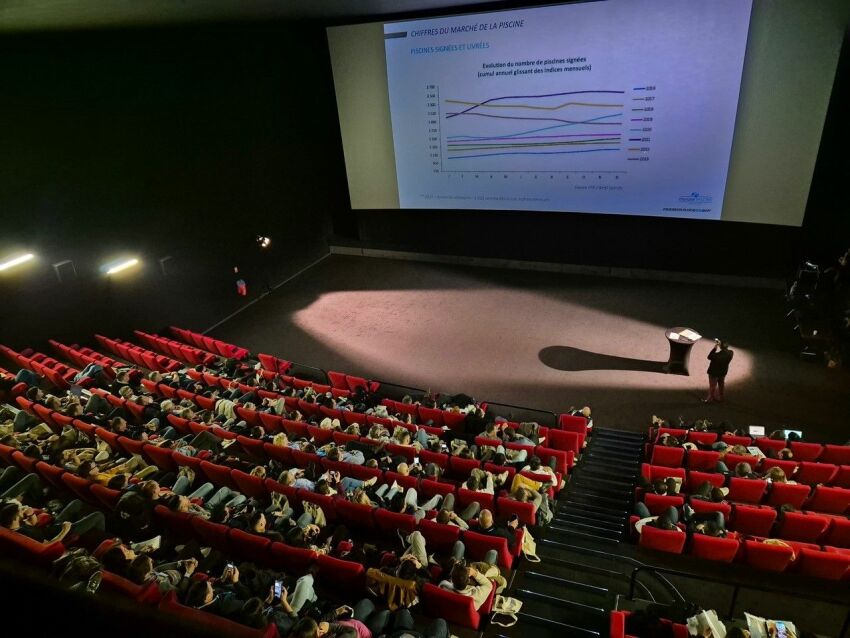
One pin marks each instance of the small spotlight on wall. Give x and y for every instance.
(117, 267)
(16, 261)
(263, 242)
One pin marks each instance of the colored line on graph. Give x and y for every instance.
(452, 138)
(484, 147)
(545, 128)
(525, 97)
(585, 150)
(539, 119)
(531, 106)
(634, 139)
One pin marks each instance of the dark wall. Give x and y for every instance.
(637, 242)
(177, 141)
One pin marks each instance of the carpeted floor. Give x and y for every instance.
(547, 340)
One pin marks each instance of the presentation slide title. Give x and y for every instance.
(468, 28)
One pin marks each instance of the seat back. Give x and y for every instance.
(453, 607)
(389, 522)
(765, 444)
(23, 548)
(211, 623)
(753, 520)
(712, 548)
(250, 547)
(657, 503)
(836, 454)
(703, 460)
(788, 493)
(219, 475)
(838, 534)
(564, 440)
(806, 451)
(704, 438)
(251, 486)
(744, 490)
(815, 473)
(147, 594)
(668, 456)
(355, 515)
(525, 512)
(441, 538)
(290, 559)
(344, 577)
(821, 564)
(477, 545)
(765, 556)
(830, 500)
(806, 528)
(696, 478)
(662, 540)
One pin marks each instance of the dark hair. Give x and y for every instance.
(114, 561)
(305, 628)
(8, 513)
(406, 570)
(443, 517)
(460, 577)
(139, 569)
(196, 594)
(473, 483)
(251, 613)
(717, 495)
(534, 463)
(254, 518)
(85, 468)
(659, 486)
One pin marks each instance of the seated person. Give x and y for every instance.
(468, 581)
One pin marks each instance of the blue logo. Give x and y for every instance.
(695, 198)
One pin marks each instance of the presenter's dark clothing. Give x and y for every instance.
(719, 365)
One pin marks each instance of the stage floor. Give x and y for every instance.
(547, 340)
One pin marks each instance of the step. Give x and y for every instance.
(612, 523)
(614, 471)
(535, 573)
(552, 616)
(605, 503)
(623, 434)
(583, 567)
(613, 448)
(600, 537)
(604, 477)
(579, 507)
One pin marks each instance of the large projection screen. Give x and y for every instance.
(673, 108)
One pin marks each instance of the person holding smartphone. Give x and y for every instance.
(720, 357)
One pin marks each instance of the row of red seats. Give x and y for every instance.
(216, 346)
(810, 472)
(832, 563)
(57, 373)
(345, 577)
(759, 520)
(820, 498)
(617, 628)
(17, 389)
(803, 451)
(140, 356)
(188, 354)
(84, 356)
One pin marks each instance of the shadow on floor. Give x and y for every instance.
(571, 359)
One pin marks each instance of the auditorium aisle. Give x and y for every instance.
(575, 586)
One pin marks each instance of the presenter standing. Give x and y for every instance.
(720, 356)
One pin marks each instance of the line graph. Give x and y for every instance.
(470, 133)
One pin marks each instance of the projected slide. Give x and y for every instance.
(620, 106)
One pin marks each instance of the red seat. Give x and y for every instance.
(657, 503)
(389, 522)
(702, 507)
(789, 467)
(830, 500)
(431, 414)
(704, 438)
(337, 380)
(179, 523)
(824, 564)
(345, 577)
(815, 473)
(525, 512)
(355, 515)
(294, 560)
(788, 493)
(668, 456)
(563, 460)
(79, 486)
(752, 520)
(462, 468)
(105, 495)
(465, 497)
(806, 528)
(147, 594)
(765, 556)
(254, 447)
(19, 547)
(250, 547)
(836, 454)
(477, 545)
(695, 479)
(439, 538)
(712, 548)
(219, 475)
(404, 481)
(131, 446)
(838, 534)
(731, 440)
(51, 473)
(679, 433)
(562, 440)
(573, 423)
(291, 493)
(161, 457)
(655, 472)
(279, 453)
(212, 624)
(745, 490)
(732, 460)
(451, 606)
(805, 451)
(430, 488)
(26, 463)
(212, 534)
(322, 500)
(662, 540)
(453, 420)
(251, 486)
(703, 460)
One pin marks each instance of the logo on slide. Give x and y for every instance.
(695, 198)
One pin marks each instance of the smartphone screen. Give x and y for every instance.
(277, 588)
(416, 460)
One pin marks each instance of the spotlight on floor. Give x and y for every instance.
(117, 267)
(16, 261)
(263, 242)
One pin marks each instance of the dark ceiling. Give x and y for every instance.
(37, 15)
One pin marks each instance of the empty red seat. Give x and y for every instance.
(788, 493)
(465, 497)
(657, 503)
(453, 607)
(563, 440)
(806, 528)
(430, 488)
(830, 500)
(572, 423)
(659, 472)
(815, 473)
(702, 507)
(668, 456)
(662, 540)
(746, 490)
(732, 439)
(703, 460)
(836, 454)
(462, 468)
(753, 520)
(767, 556)
(838, 533)
(824, 564)
(713, 548)
(805, 451)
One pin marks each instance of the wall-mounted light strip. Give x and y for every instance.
(15, 261)
(121, 266)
